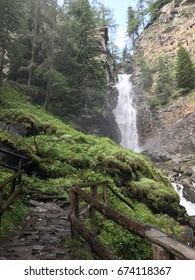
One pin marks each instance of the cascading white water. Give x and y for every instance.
(189, 206)
(125, 113)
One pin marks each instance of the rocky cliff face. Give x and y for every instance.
(175, 25)
(168, 131)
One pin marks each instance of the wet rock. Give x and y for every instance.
(188, 190)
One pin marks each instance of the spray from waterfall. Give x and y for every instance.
(125, 113)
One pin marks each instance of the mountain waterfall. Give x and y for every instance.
(125, 113)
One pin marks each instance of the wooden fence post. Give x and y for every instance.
(74, 206)
(93, 192)
(1, 197)
(160, 253)
(105, 193)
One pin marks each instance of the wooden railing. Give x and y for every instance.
(164, 247)
(20, 159)
(11, 186)
(15, 187)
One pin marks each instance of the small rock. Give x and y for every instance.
(38, 248)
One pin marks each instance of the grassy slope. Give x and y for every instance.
(62, 156)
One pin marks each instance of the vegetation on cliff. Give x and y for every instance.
(168, 79)
(165, 69)
(60, 156)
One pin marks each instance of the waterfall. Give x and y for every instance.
(125, 113)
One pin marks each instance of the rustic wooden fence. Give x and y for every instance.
(11, 186)
(164, 247)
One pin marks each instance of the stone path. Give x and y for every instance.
(42, 236)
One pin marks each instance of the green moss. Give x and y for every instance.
(77, 250)
(124, 244)
(158, 196)
(61, 156)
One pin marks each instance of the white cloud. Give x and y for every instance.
(121, 38)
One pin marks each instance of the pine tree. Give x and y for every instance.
(164, 81)
(89, 70)
(145, 79)
(103, 16)
(185, 71)
(9, 24)
(133, 25)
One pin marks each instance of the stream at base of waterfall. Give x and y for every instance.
(189, 206)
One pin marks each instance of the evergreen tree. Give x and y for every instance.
(133, 25)
(142, 11)
(9, 24)
(103, 16)
(145, 79)
(89, 67)
(185, 71)
(164, 81)
(35, 13)
(154, 7)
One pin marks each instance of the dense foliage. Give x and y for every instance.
(53, 53)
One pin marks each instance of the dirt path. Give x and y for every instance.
(42, 235)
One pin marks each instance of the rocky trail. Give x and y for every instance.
(42, 236)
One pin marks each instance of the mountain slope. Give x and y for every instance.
(60, 156)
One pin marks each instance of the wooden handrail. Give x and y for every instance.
(17, 156)
(11, 179)
(173, 248)
(3, 151)
(90, 184)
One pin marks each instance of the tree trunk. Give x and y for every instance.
(51, 55)
(2, 59)
(34, 42)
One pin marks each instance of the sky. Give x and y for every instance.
(119, 8)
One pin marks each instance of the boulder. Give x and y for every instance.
(188, 190)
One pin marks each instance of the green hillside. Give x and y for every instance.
(60, 156)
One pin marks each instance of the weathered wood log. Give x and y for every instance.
(11, 198)
(49, 197)
(153, 234)
(121, 197)
(105, 193)
(90, 184)
(74, 210)
(3, 151)
(17, 156)
(160, 253)
(44, 196)
(38, 191)
(174, 247)
(11, 179)
(92, 240)
(93, 192)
